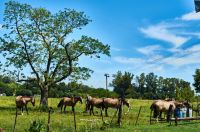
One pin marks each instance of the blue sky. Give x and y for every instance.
(160, 36)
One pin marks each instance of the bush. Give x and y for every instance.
(6, 90)
(24, 92)
(36, 126)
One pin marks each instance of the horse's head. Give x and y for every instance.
(79, 99)
(126, 102)
(187, 104)
(179, 104)
(33, 101)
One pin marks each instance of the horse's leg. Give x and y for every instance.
(160, 115)
(72, 108)
(106, 112)
(91, 109)
(65, 109)
(61, 109)
(26, 109)
(88, 108)
(22, 109)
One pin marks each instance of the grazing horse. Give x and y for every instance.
(22, 101)
(160, 106)
(114, 103)
(91, 102)
(69, 101)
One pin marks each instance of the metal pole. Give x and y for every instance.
(106, 75)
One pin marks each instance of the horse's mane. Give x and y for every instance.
(88, 97)
(169, 99)
(61, 102)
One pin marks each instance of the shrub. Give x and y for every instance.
(24, 92)
(36, 126)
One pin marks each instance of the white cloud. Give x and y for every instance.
(185, 57)
(162, 32)
(0, 26)
(149, 50)
(139, 64)
(125, 60)
(195, 48)
(115, 49)
(182, 61)
(191, 16)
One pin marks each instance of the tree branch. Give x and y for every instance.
(48, 48)
(27, 80)
(70, 67)
(26, 52)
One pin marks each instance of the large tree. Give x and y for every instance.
(122, 82)
(151, 86)
(140, 80)
(38, 39)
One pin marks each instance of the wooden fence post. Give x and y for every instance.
(138, 115)
(14, 128)
(150, 117)
(120, 113)
(114, 115)
(102, 115)
(49, 119)
(74, 113)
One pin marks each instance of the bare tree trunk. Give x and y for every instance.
(44, 96)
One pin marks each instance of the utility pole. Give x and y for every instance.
(106, 75)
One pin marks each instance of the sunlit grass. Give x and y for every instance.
(61, 122)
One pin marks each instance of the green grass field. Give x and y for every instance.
(64, 122)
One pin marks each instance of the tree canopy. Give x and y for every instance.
(151, 86)
(196, 83)
(38, 39)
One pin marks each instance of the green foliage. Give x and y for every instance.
(151, 86)
(196, 83)
(37, 38)
(24, 92)
(122, 82)
(5, 89)
(8, 85)
(36, 126)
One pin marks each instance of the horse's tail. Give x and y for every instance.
(60, 103)
(155, 110)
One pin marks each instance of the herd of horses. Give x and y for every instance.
(90, 103)
(157, 107)
(163, 106)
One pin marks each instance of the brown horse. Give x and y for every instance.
(22, 101)
(114, 103)
(69, 101)
(160, 106)
(91, 102)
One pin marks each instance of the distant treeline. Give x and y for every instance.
(9, 86)
(151, 86)
(148, 86)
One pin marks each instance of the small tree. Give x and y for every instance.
(196, 83)
(37, 39)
